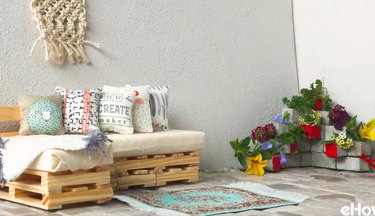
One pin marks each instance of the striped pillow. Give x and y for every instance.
(159, 107)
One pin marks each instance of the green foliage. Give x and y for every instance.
(352, 129)
(311, 119)
(305, 101)
(295, 134)
(241, 149)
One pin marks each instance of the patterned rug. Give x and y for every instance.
(210, 201)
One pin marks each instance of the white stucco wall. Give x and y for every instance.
(335, 40)
(228, 63)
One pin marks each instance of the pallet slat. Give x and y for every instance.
(154, 170)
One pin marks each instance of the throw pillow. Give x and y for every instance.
(115, 112)
(80, 109)
(41, 115)
(141, 109)
(159, 107)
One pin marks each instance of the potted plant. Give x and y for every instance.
(291, 138)
(320, 96)
(316, 97)
(310, 123)
(338, 117)
(257, 150)
(337, 145)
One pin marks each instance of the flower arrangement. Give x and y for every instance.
(312, 118)
(338, 117)
(341, 140)
(257, 149)
(264, 133)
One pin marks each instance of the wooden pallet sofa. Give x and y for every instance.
(142, 159)
(49, 184)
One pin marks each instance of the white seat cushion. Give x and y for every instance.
(160, 142)
(55, 160)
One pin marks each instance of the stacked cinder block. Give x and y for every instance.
(312, 153)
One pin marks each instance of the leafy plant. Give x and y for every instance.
(338, 117)
(353, 129)
(305, 101)
(295, 134)
(342, 140)
(241, 149)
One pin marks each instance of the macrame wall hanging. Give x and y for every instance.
(62, 25)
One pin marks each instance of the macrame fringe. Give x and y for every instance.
(95, 143)
(62, 26)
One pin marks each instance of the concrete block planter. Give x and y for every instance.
(321, 160)
(274, 164)
(293, 115)
(305, 146)
(281, 128)
(359, 148)
(330, 130)
(306, 159)
(334, 151)
(352, 164)
(292, 148)
(293, 161)
(317, 146)
(324, 120)
(312, 131)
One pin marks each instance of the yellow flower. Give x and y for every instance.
(256, 165)
(367, 130)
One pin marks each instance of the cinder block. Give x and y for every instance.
(324, 120)
(321, 160)
(359, 148)
(293, 115)
(292, 148)
(316, 146)
(306, 159)
(293, 161)
(281, 128)
(305, 146)
(334, 150)
(330, 130)
(352, 164)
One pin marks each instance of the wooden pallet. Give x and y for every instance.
(154, 170)
(53, 190)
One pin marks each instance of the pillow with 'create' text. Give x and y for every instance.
(115, 109)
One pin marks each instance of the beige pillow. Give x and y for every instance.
(41, 115)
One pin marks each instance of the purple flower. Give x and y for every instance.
(279, 119)
(266, 145)
(283, 159)
(278, 144)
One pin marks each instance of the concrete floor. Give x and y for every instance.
(328, 190)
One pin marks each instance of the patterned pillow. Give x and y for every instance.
(141, 109)
(159, 107)
(115, 112)
(80, 109)
(41, 115)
